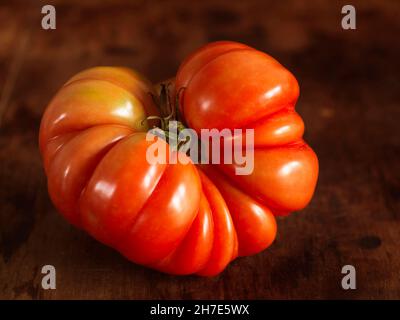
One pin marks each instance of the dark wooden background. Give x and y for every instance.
(350, 93)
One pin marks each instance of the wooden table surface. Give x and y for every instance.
(350, 93)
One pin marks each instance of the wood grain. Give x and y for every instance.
(350, 93)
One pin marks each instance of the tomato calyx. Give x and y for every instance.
(170, 115)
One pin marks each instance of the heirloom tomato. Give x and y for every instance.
(179, 218)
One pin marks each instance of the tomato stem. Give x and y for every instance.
(169, 112)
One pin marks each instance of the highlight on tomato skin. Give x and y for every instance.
(178, 218)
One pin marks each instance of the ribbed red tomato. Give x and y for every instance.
(178, 218)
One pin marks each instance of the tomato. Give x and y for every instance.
(178, 218)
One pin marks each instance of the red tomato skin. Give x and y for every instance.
(224, 248)
(195, 61)
(71, 167)
(254, 223)
(195, 250)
